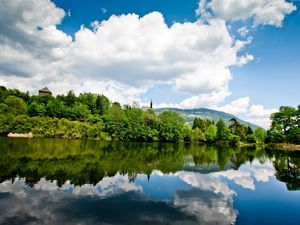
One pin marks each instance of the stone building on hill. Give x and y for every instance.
(45, 92)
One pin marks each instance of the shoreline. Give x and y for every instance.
(273, 146)
(283, 146)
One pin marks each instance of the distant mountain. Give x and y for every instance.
(190, 114)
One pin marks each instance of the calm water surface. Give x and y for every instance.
(48, 181)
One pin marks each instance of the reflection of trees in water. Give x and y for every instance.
(84, 162)
(287, 165)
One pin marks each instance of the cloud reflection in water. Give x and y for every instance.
(116, 200)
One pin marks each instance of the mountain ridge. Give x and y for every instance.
(190, 114)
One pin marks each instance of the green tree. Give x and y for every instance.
(171, 126)
(211, 133)
(275, 134)
(198, 135)
(88, 99)
(79, 112)
(36, 109)
(237, 129)
(114, 120)
(16, 105)
(188, 134)
(284, 125)
(260, 135)
(3, 93)
(70, 99)
(222, 131)
(199, 123)
(286, 118)
(102, 104)
(249, 130)
(56, 108)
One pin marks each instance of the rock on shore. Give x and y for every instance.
(16, 135)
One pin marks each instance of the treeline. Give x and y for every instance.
(285, 126)
(94, 116)
(208, 131)
(85, 116)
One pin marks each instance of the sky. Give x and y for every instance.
(237, 56)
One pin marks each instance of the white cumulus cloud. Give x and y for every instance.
(263, 12)
(123, 56)
(238, 106)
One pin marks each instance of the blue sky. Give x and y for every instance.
(273, 79)
(83, 13)
(188, 54)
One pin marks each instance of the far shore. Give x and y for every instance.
(283, 146)
(274, 146)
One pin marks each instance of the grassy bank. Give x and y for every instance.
(283, 146)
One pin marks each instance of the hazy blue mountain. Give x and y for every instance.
(190, 114)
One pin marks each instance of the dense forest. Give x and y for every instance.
(94, 116)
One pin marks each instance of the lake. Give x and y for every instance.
(56, 181)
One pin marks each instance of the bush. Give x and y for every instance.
(233, 139)
(250, 138)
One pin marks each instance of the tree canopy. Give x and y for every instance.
(90, 115)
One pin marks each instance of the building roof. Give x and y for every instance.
(45, 89)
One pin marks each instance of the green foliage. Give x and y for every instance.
(211, 133)
(52, 127)
(102, 104)
(249, 130)
(222, 131)
(238, 129)
(275, 134)
(260, 135)
(188, 134)
(233, 139)
(286, 118)
(114, 121)
(56, 108)
(198, 135)
(16, 105)
(250, 138)
(293, 135)
(170, 126)
(36, 109)
(285, 126)
(79, 111)
(4, 109)
(70, 99)
(94, 116)
(201, 124)
(6, 123)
